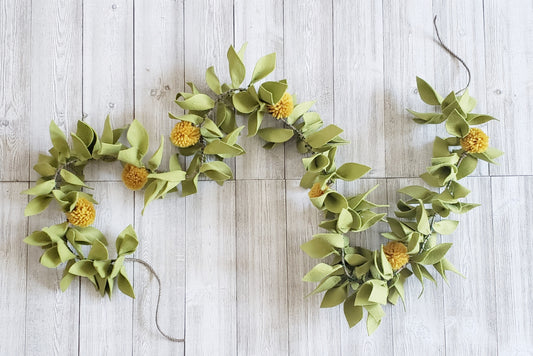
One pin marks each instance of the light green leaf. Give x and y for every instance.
(352, 171)
(320, 271)
(265, 65)
(107, 134)
(326, 284)
(299, 110)
(427, 93)
(98, 251)
(353, 314)
(432, 255)
(59, 141)
(456, 125)
(131, 156)
(195, 119)
(237, 70)
(217, 171)
(67, 278)
(50, 258)
(37, 205)
(322, 137)
(41, 188)
(244, 102)
(64, 252)
(196, 102)
(422, 219)
(218, 147)
(79, 148)
(271, 92)
(38, 238)
(275, 135)
(466, 167)
(355, 259)
(155, 161)
(445, 227)
(83, 268)
(254, 122)
(71, 178)
(124, 283)
(212, 80)
(138, 137)
(478, 119)
(334, 297)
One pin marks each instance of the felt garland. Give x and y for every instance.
(359, 278)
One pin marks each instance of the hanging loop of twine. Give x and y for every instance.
(452, 54)
(152, 271)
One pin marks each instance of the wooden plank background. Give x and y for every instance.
(229, 256)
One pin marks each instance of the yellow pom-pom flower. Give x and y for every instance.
(134, 178)
(476, 141)
(83, 213)
(185, 134)
(283, 108)
(316, 191)
(396, 253)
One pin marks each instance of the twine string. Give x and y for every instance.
(153, 272)
(453, 54)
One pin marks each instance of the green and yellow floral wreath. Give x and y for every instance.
(358, 277)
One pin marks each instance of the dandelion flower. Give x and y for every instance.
(134, 178)
(283, 108)
(185, 134)
(396, 253)
(83, 213)
(476, 141)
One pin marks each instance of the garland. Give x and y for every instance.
(359, 278)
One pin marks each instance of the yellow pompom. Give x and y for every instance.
(185, 134)
(134, 178)
(396, 253)
(83, 213)
(476, 141)
(315, 191)
(283, 108)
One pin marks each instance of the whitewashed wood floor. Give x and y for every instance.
(230, 256)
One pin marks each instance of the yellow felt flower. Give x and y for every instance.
(283, 108)
(185, 134)
(476, 141)
(83, 213)
(396, 253)
(134, 178)
(316, 191)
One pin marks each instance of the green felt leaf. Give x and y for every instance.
(427, 118)
(372, 324)
(478, 119)
(221, 148)
(152, 191)
(86, 134)
(41, 188)
(418, 192)
(445, 227)
(422, 219)
(210, 129)
(244, 102)
(352, 171)
(316, 163)
(254, 122)
(427, 93)
(489, 155)
(320, 138)
(317, 248)
(334, 297)
(189, 186)
(456, 125)
(440, 148)
(212, 80)
(50, 258)
(231, 138)
(88, 235)
(217, 171)
(131, 156)
(371, 292)
(59, 141)
(107, 133)
(466, 167)
(237, 70)
(345, 221)
(320, 271)
(352, 313)
(195, 102)
(138, 137)
(194, 119)
(466, 102)
(264, 66)
(299, 110)
(457, 190)
(326, 284)
(83, 268)
(335, 202)
(355, 259)
(308, 179)
(107, 149)
(37, 205)
(64, 252)
(98, 251)
(275, 135)
(126, 242)
(71, 178)
(38, 238)
(124, 283)
(44, 169)
(271, 92)
(433, 255)
(155, 160)
(79, 148)
(67, 277)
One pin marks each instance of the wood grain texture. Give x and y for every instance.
(15, 46)
(106, 325)
(107, 71)
(56, 71)
(358, 73)
(509, 59)
(13, 265)
(419, 328)
(308, 64)
(312, 331)
(260, 23)
(407, 52)
(262, 311)
(511, 199)
(469, 305)
(159, 68)
(211, 323)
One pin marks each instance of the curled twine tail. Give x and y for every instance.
(152, 271)
(452, 54)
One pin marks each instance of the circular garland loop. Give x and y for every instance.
(360, 278)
